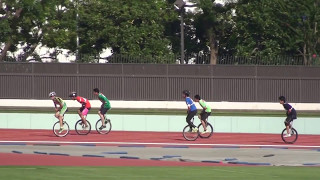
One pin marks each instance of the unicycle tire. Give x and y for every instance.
(292, 139)
(208, 133)
(56, 129)
(189, 135)
(105, 130)
(80, 129)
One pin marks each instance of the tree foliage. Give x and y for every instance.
(151, 28)
(129, 27)
(275, 27)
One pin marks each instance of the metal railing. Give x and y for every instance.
(189, 59)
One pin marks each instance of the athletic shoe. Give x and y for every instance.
(102, 127)
(203, 132)
(190, 130)
(287, 135)
(60, 131)
(195, 129)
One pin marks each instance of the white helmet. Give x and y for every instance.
(52, 94)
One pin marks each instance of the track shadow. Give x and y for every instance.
(180, 139)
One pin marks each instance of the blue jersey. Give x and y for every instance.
(191, 104)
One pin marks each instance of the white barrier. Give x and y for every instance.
(248, 106)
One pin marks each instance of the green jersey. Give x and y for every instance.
(104, 100)
(203, 104)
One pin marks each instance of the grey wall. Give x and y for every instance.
(161, 81)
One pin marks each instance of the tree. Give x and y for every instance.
(213, 25)
(302, 27)
(9, 26)
(31, 23)
(135, 28)
(271, 28)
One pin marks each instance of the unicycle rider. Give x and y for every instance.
(291, 114)
(85, 107)
(105, 107)
(60, 107)
(192, 110)
(206, 112)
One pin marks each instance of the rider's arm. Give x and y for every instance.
(189, 103)
(82, 101)
(60, 106)
(288, 107)
(60, 102)
(55, 105)
(203, 104)
(102, 99)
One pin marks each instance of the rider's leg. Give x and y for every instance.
(287, 124)
(102, 117)
(83, 113)
(288, 129)
(203, 117)
(58, 116)
(204, 124)
(188, 120)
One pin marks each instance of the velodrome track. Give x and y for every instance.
(128, 148)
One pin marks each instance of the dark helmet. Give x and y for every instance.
(73, 94)
(282, 98)
(197, 97)
(186, 92)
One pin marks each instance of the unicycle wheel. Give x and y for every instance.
(104, 130)
(292, 138)
(205, 134)
(81, 129)
(188, 134)
(64, 132)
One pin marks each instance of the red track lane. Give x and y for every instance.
(7, 159)
(155, 137)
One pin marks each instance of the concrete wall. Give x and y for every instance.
(170, 123)
(162, 105)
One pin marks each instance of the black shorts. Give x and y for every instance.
(82, 108)
(104, 110)
(290, 117)
(204, 115)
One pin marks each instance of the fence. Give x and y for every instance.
(161, 81)
(191, 59)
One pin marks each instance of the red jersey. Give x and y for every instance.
(85, 102)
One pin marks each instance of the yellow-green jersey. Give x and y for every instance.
(59, 101)
(204, 105)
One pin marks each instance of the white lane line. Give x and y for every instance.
(13, 167)
(168, 144)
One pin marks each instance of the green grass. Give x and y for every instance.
(158, 173)
(166, 112)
